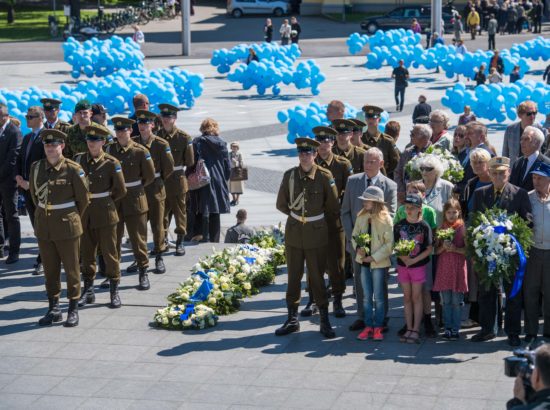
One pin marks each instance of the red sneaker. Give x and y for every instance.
(365, 334)
(378, 335)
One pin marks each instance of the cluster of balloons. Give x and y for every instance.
(223, 59)
(175, 86)
(533, 49)
(301, 120)
(269, 74)
(100, 58)
(498, 101)
(356, 42)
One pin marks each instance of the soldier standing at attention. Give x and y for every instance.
(59, 191)
(344, 148)
(139, 171)
(156, 193)
(51, 112)
(308, 196)
(181, 146)
(383, 142)
(100, 219)
(76, 134)
(357, 133)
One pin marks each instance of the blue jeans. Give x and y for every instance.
(452, 309)
(373, 295)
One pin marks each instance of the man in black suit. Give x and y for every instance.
(10, 142)
(512, 199)
(32, 150)
(531, 142)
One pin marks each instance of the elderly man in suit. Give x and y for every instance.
(10, 143)
(373, 162)
(527, 113)
(531, 143)
(32, 150)
(512, 199)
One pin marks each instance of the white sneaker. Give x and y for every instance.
(468, 323)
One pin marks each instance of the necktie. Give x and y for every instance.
(523, 168)
(369, 182)
(498, 193)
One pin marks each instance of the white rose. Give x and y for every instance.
(247, 286)
(212, 301)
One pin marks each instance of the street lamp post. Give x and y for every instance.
(186, 27)
(437, 7)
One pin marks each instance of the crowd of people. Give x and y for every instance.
(352, 183)
(289, 31)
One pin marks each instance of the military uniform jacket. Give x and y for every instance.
(106, 184)
(59, 125)
(386, 144)
(139, 171)
(64, 187)
(313, 194)
(76, 140)
(181, 145)
(340, 168)
(353, 154)
(163, 162)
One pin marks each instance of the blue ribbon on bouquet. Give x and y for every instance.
(250, 260)
(204, 289)
(189, 309)
(520, 273)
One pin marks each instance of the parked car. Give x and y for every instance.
(401, 17)
(237, 8)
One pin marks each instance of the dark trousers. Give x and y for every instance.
(399, 92)
(10, 222)
(491, 42)
(29, 206)
(315, 260)
(536, 284)
(488, 309)
(537, 25)
(208, 225)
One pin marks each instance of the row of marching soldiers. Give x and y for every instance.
(88, 188)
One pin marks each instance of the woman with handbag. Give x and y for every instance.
(209, 199)
(237, 177)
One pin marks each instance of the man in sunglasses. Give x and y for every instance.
(10, 144)
(51, 112)
(527, 113)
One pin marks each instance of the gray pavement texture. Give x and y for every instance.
(114, 359)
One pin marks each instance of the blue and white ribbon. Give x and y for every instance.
(520, 273)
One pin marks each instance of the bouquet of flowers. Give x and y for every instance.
(404, 247)
(272, 239)
(498, 245)
(445, 234)
(363, 241)
(185, 317)
(452, 169)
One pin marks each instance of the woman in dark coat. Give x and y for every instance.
(211, 200)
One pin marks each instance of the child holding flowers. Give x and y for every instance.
(373, 240)
(413, 245)
(451, 278)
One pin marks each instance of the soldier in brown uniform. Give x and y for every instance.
(59, 191)
(181, 146)
(76, 134)
(51, 112)
(100, 219)
(308, 196)
(375, 138)
(344, 147)
(156, 193)
(357, 134)
(139, 171)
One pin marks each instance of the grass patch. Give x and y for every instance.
(350, 17)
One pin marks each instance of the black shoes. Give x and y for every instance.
(482, 337)
(310, 309)
(429, 330)
(291, 325)
(159, 264)
(325, 328)
(72, 314)
(12, 258)
(87, 296)
(357, 325)
(53, 315)
(514, 340)
(115, 298)
(337, 306)
(38, 269)
(180, 249)
(133, 268)
(143, 279)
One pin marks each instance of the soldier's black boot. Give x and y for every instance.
(180, 249)
(159, 264)
(72, 314)
(291, 325)
(132, 268)
(53, 315)
(326, 328)
(337, 306)
(115, 298)
(143, 279)
(87, 295)
(310, 309)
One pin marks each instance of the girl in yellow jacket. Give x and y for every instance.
(372, 238)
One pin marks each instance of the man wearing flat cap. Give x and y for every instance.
(59, 190)
(76, 134)
(138, 171)
(501, 194)
(344, 147)
(308, 197)
(375, 138)
(51, 112)
(357, 133)
(156, 192)
(106, 184)
(181, 145)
